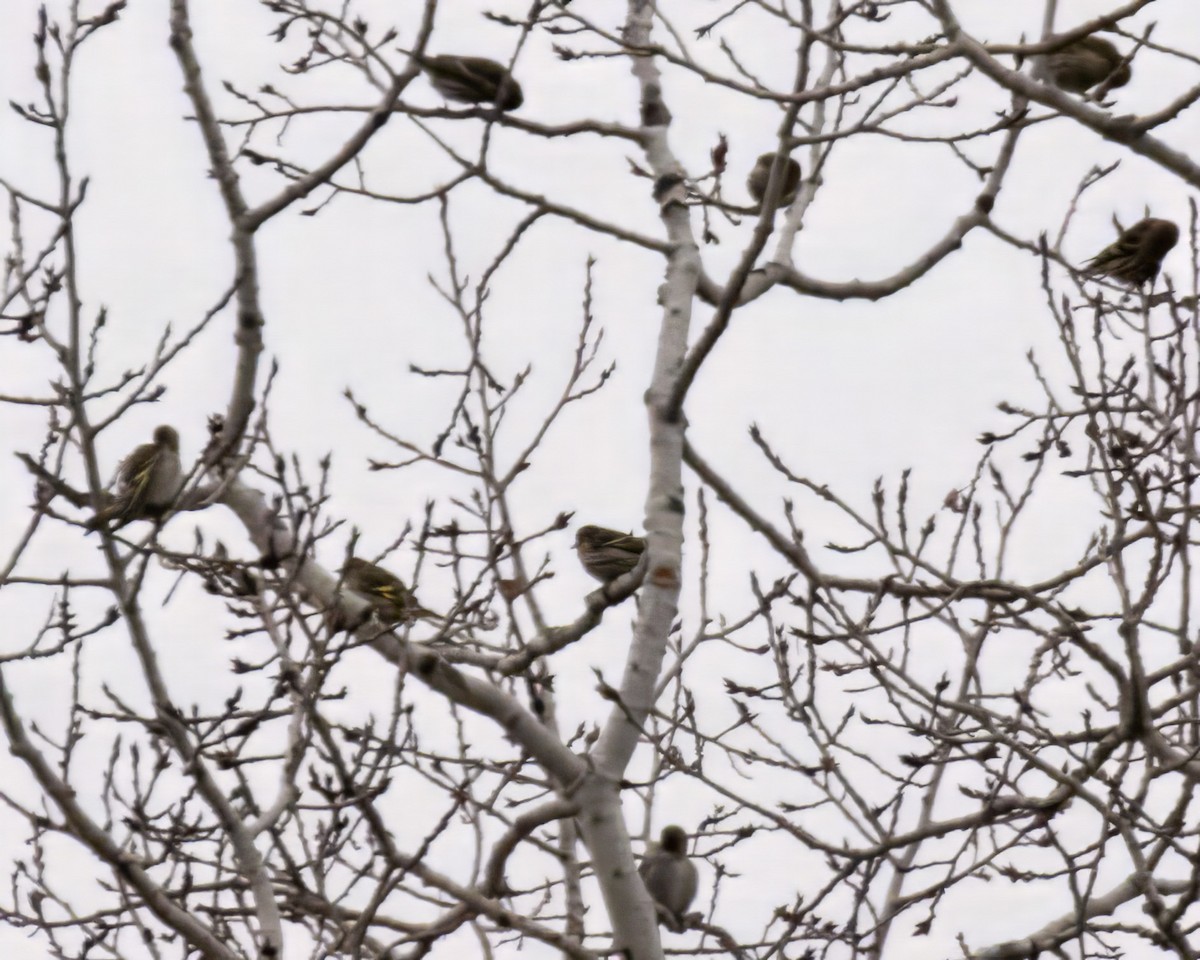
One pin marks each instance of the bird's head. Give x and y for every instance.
(588, 536)
(673, 840)
(355, 565)
(165, 436)
(1160, 235)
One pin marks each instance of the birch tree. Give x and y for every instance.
(951, 711)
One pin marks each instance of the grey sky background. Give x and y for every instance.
(846, 391)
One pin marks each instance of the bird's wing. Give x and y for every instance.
(1125, 245)
(391, 591)
(626, 541)
(137, 473)
(484, 73)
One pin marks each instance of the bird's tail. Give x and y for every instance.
(106, 515)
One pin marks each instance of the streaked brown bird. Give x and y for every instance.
(756, 183)
(606, 554)
(473, 80)
(148, 480)
(1088, 61)
(670, 877)
(391, 600)
(1137, 254)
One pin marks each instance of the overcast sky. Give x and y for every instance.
(846, 391)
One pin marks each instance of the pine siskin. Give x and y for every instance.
(473, 80)
(606, 554)
(391, 600)
(148, 480)
(756, 183)
(1081, 65)
(670, 877)
(1137, 254)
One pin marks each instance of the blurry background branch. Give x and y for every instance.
(332, 674)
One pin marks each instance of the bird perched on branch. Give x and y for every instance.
(1137, 254)
(148, 480)
(389, 598)
(606, 554)
(670, 877)
(756, 183)
(473, 80)
(1088, 61)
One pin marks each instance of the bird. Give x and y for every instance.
(756, 183)
(670, 877)
(389, 598)
(606, 554)
(1088, 61)
(1137, 254)
(148, 480)
(473, 80)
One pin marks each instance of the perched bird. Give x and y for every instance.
(756, 183)
(148, 480)
(390, 599)
(1088, 61)
(606, 554)
(1137, 254)
(473, 80)
(669, 875)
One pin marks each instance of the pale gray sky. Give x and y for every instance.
(846, 391)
